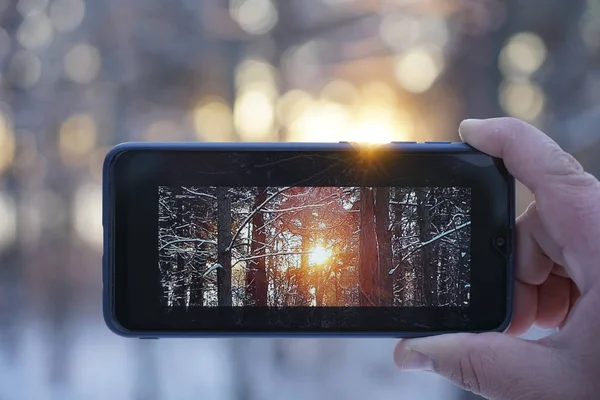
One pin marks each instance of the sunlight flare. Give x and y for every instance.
(319, 255)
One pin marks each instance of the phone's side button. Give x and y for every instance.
(405, 142)
(149, 338)
(438, 142)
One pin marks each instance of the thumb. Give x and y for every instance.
(493, 365)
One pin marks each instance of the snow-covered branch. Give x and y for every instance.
(185, 240)
(190, 191)
(428, 242)
(253, 213)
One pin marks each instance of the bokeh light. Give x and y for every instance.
(8, 216)
(254, 115)
(88, 214)
(25, 69)
(66, 15)
(418, 69)
(7, 143)
(291, 105)
(319, 121)
(82, 63)
(254, 107)
(254, 16)
(256, 71)
(340, 91)
(77, 138)
(36, 32)
(213, 120)
(523, 100)
(523, 54)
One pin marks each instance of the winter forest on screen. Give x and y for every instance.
(314, 246)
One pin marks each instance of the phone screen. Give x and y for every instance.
(314, 246)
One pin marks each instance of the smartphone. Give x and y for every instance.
(402, 239)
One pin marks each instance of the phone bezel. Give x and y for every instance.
(173, 153)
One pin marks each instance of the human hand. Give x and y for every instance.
(558, 281)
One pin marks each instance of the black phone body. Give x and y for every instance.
(398, 240)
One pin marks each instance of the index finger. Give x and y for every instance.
(530, 156)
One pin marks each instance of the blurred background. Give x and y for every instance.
(77, 77)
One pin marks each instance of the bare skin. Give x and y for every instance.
(558, 282)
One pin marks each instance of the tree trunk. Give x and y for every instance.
(179, 291)
(384, 245)
(303, 297)
(399, 276)
(256, 277)
(223, 241)
(426, 273)
(197, 282)
(447, 262)
(320, 286)
(464, 264)
(368, 274)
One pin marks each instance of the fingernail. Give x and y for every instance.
(469, 126)
(412, 360)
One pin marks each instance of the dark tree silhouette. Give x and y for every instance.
(368, 273)
(179, 291)
(223, 242)
(256, 275)
(384, 245)
(427, 295)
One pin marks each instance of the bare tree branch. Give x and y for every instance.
(190, 191)
(187, 240)
(433, 239)
(253, 213)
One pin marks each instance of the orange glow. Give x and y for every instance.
(376, 124)
(319, 255)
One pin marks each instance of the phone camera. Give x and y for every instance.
(499, 241)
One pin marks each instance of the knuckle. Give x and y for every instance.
(565, 164)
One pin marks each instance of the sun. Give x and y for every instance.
(319, 255)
